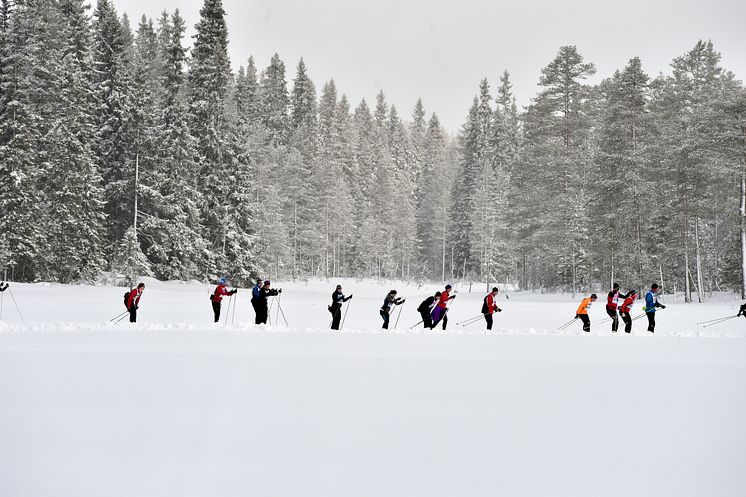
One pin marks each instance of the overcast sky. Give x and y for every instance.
(440, 50)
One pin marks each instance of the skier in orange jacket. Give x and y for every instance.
(582, 312)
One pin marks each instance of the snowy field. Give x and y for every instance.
(179, 406)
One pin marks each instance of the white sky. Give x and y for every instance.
(440, 50)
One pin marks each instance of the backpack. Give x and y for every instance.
(126, 298)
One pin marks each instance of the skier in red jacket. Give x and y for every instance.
(489, 307)
(625, 309)
(133, 301)
(217, 297)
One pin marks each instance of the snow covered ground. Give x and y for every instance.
(178, 406)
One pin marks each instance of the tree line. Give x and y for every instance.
(124, 151)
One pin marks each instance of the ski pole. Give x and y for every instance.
(233, 316)
(716, 319)
(16, 304)
(227, 312)
(277, 314)
(720, 321)
(123, 316)
(345, 316)
(119, 316)
(416, 324)
(566, 325)
(397, 317)
(282, 313)
(470, 319)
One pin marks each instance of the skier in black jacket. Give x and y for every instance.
(388, 303)
(261, 302)
(741, 310)
(426, 308)
(3, 287)
(336, 308)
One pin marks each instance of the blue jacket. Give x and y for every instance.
(255, 292)
(651, 301)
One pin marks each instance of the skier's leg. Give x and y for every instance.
(614, 319)
(651, 322)
(133, 314)
(627, 322)
(488, 318)
(445, 320)
(385, 316)
(586, 322)
(336, 319)
(216, 310)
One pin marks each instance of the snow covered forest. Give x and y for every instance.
(128, 149)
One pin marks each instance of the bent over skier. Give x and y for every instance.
(582, 312)
(133, 301)
(217, 297)
(389, 302)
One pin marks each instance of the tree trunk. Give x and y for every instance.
(743, 235)
(700, 290)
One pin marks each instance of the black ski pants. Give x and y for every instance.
(427, 319)
(385, 316)
(627, 322)
(488, 318)
(261, 313)
(651, 321)
(216, 310)
(336, 316)
(133, 314)
(586, 322)
(614, 319)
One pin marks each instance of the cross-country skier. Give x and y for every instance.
(426, 307)
(389, 302)
(217, 297)
(133, 301)
(489, 307)
(741, 310)
(582, 311)
(336, 308)
(261, 303)
(625, 309)
(441, 309)
(612, 302)
(255, 293)
(3, 286)
(651, 304)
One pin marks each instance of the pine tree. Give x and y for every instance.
(29, 59)
(114, 143)
(75, 231)
(274, 101)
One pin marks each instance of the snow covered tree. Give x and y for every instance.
(274, 101)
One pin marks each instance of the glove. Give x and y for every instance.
(577, 316)
(663, 306)
(499, 310)
(279, 290)
(234, 292)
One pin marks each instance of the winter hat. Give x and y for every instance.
(266, 282)
(392, 292)
(438, 294)
(594, 296)
(495, 289)
(339, 287)
(448, 286)
(222, 280)
(654, 286)
(616, 285)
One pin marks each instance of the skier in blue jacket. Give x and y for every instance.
(651, 303)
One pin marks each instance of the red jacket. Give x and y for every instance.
(627, 304)
(489, 304)
(220, 291)
(134, 297)
(443, 302)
